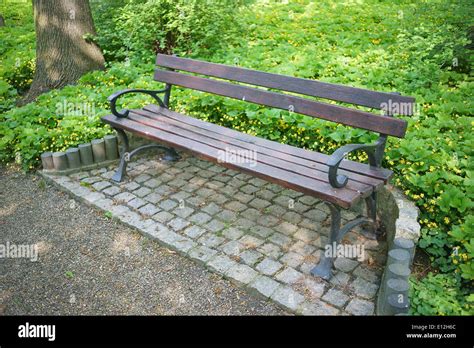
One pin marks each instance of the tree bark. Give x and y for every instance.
(62, 53)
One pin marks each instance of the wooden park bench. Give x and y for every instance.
(339, 182)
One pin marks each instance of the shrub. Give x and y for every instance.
(140, 29)
(108, 37)
(17, 43)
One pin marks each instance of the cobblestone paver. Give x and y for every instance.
(260, 235)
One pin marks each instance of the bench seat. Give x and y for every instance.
(295, 168)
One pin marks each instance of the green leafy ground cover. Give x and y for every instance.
(422, 49)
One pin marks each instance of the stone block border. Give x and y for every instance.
(402, 235)
(98, 153)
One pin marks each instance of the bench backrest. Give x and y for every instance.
(384, 124)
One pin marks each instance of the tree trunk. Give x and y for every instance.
(62, 53)
(2, 21)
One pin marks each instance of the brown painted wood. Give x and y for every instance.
(351, 95)
(200, 129)
(350, 117)
(293, 152)
(261, 157)
(342, 197)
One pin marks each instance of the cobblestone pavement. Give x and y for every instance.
(260, 235)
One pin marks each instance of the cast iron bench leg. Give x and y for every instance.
(371, 230)
(126, 156)
(324, 268)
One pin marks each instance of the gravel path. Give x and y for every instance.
(90, 265)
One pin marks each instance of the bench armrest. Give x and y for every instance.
(374, 152)
(124, 113)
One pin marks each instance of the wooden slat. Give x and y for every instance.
(260, 157)
(342, 197)
(334, 113)
(352, 95)
(351, 166)
(216, 132)
(197, 128)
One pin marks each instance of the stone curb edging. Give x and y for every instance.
(402, 235)
(97, 153)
